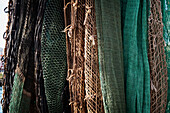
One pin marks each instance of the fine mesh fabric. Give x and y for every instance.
(136, 65)
(93, 96)
(110, 53)
(168, 67)
(157, 59)
(167, 14)
(53, 55)
(75, 52)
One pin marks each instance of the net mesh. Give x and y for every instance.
(75, 52)
(166, 33)
(110, 53)
(53, 55)
(81, 75)
(92, 78)
(157, 59)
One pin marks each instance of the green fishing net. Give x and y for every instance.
(166, 22)
(53, 55)
(108, 22)
(137, 74)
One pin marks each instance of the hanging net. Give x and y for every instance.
(92, 78)
(53, 55)
(83, 75)
(166, 34)
(157, 59)
(108, 22)
(136, 65)
(75, 52)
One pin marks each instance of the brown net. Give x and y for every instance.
(92, 79)
(75, 52)
(83, 71)
(157, 60)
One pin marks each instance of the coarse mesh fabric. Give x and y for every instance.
(110, 53)
(53, 55)
(136, 65)
(157, 59)
(93, 96)
(75, 54)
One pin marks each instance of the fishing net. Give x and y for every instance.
(92, 78)
(136, 65)
(53, 55)
(166, 34)
(83, 70)
(22, 100)
(157, 59)
(41, 103)
(75, 54)
(108, 21)
(168, 67)
(11, 51)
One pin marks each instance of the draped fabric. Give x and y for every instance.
(110, 53)
(53, 55)
(137, 74)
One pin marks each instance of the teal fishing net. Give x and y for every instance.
(53, 55)
(166, 34)
(136, 65)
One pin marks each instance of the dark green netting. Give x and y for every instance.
(108, 21)
(17, 91)
(53, 54)
(137, 74)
